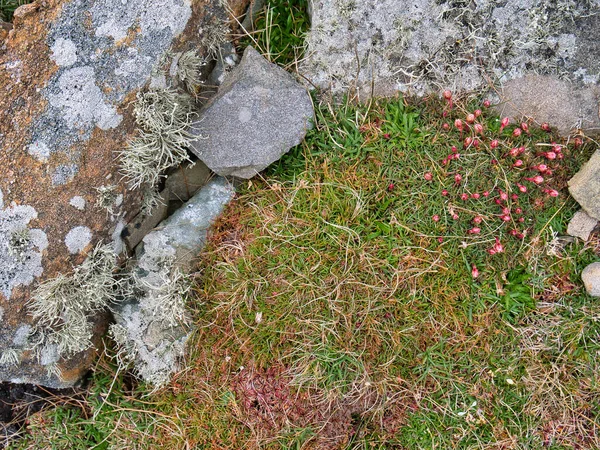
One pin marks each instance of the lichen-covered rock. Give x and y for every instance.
(68, 72)
(259, 113)
(384, 46)
(151, 327)
(585, 186)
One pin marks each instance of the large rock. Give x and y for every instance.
(585, 186)
(384, 46)
(591, 279)
(68, 73)
(152, 326)
(259, 113)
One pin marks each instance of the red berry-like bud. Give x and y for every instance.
(525, 127)
(444, 192)
(503, 195)
(518, 163)
(478, 128)
(447, 94)
(486, 103)
(458, 178)
(390, 187)
(458, 124)
(516, 132)
(477, 112)
(446, 127)
(474, 230)
(477, 220)
(514, 152)
(515, 197)
(436, 218)
(428, 176)
(470, 118)
(464, 197)
(545, 126)
(455, 216)
(518, 211)
(474, 271)
(521, 219)
(475, 196)
(522, 188)
(486, 194)
(504, 123)
(494, 143)
(468, 141)
(505, 218)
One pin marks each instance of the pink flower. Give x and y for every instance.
(540, 168)
(545, 126)
(513, 232)
(498, 246)
(505, 210)
(444, 192)
(516, 132)
(446, 127)
(468, 141)
(486, 194)
(454, 149)
(497, 201)
(458, 124)
(486, 103)
(503, 195)
(440, 240)
(518, 211)
(494, 143)
(521, 219)
(475, 196)
(428, 176)
(387, 136)
(390, 187)
(577, 142)
(504, 123)
(550, 155)
(464, 197)
(476, 143)
(522, 188)
(521, 150)
(505, 218)
(491, 251)
(454, 216)
(477, 220)
(538, 179)
(518, 163)
(515, 197)
(435, 218)
(514, 152)
(525, 127)
(470, 118)
(477, 112)
(447, 94)
(474, 271)
(551, 192)
(474, 230)
(457, 178)
(520, 235)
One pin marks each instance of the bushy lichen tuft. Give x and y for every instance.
(189, 66)
(62, 306)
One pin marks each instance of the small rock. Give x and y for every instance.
(585, 186)
(186, 180)
(142, 224)
(259, 113)
(152, 326)
(581, 225)
(591, 279)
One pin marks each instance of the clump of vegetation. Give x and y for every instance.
(279, 31)
(63, 307)
(164, 116)
(213, 35)
(189, 66)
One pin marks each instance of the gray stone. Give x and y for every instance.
(382, 47)
(591, 279)
(581, 225)
(186, 180)
(153, 323)
(585, 186)
(259, 113)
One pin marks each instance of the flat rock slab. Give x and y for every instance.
(585, 186)
(174, 245)
(258, 114)
(581, 225)
(69, 71)
(382, 47)
(591, 279)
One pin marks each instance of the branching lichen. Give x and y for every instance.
(189, 68)
(213, 36)
(164, 116)
(62, 306)
(106, 198)
(151, 200)
(10, 357)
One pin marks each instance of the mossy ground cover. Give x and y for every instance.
(337, 307)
